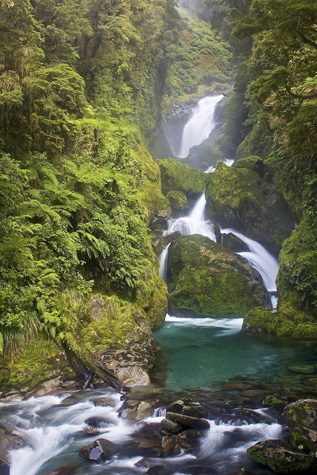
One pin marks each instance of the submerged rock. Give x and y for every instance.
(209, 280)
(65, 470)
(301, 418)
(99, 450)
(281, 457)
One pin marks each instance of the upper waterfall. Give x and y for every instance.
(200, 125)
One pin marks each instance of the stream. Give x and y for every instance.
(209, 359)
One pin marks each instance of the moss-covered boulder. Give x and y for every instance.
(286, 321)
(253, 163)
(176, 176)
(178, 201)
(301, 418)
(240, 198)
(297, 277)
(209, 280)
(281, 457)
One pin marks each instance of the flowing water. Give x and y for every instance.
(261, 260)
(195, 223)
(200, 125)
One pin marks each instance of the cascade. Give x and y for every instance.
(200, 125)
(163, 263)
(261, 260)
(195, 223)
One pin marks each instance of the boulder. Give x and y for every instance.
(280, 457)
(8, 441)
(99, 451)
(301, 418)
(209, 280)
(171, 445)
(239, 198)
(170, 426)
(188, 421)
(176, 176)
(188, 407)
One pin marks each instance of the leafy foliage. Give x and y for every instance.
(78, 81)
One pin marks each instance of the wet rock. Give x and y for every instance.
(188, 407)
(188, 421)
(301, 418)
(47, 387)
(65, 470)
(8, 441)
(138, 446)
(170, 426)
(70, 400)
(98, 422)
(273, 401)
(4, 467)
(304, 369)
(91, 430)
(157, 470)
(144, 410)
(281, 457)
(233, 243)
(99, 450)
(171, 446)
(104, 401)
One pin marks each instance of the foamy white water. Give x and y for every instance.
(259, 258)
(200, 125)
(195, 223)
(163, 263)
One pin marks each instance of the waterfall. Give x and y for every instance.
(261, 260)
(163, 263)
(200, 125)
(194, 223)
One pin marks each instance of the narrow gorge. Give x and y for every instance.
(158, 237)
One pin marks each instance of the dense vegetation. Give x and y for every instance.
(80, 90)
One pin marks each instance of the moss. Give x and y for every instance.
(210, 280)
(240, 197)
(280, 457)
(297, 277)
(176, 176)
(287, 321)
(177, 200)
(150, 194)
(273, 401)
(253, 163)
(39, 360)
